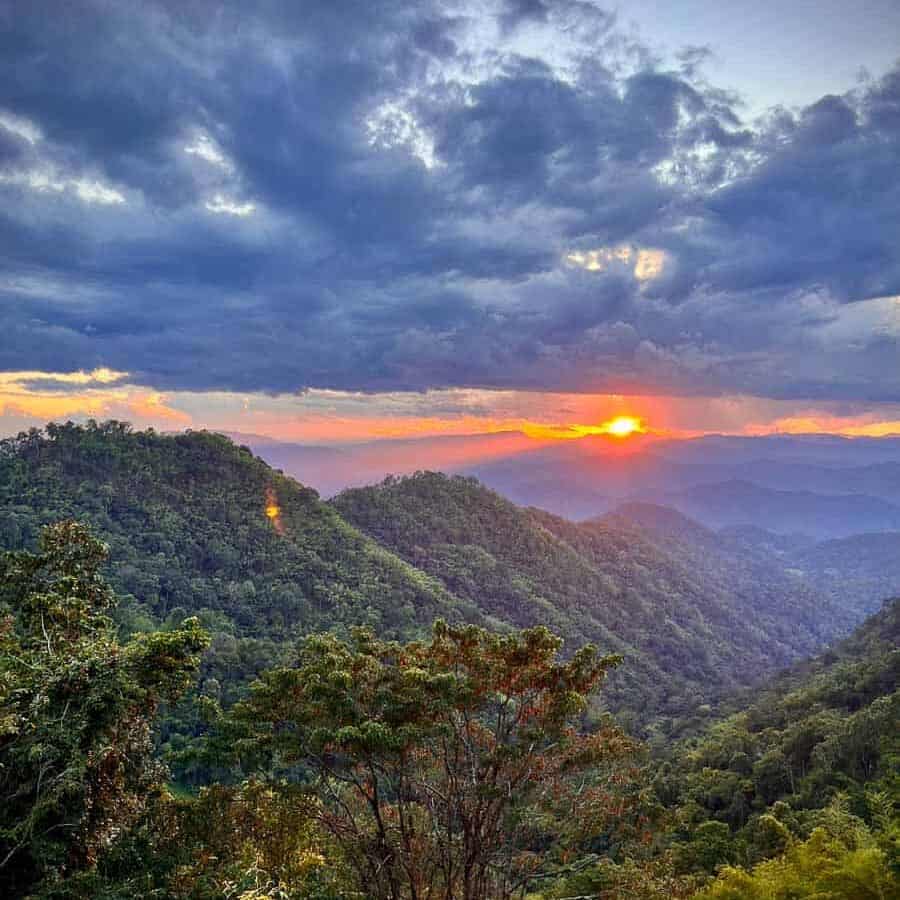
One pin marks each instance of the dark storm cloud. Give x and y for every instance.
(821, 208)
(394, 196)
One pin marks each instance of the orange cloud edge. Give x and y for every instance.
(32, 398)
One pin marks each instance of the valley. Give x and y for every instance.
(749, 674)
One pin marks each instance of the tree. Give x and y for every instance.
(444, 767)
(75, 709)
(711, 844)
(256, 841)
(824, 866)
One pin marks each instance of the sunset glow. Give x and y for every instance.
(513, 419)
(623, 426)
(456, 259)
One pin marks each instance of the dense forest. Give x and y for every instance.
(825, 729)
(691, 620)
(214, 684)
(185, 518)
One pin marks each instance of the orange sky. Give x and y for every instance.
(319, 416)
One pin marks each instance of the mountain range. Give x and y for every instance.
(197, 524)
(818, 486)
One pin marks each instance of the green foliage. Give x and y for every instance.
(836, 867)
(470, 764)
(256, 841)
(710, 846)
(76, 765)
(760, 777)
(449, 767)
(630, 879)
(862, 567)
(185, 518)
(253, 841)
(692, 624)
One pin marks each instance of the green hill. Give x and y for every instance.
(824, 728)
(198, 525)
(864, 566)
(185, 517)
(787, 605)
(687, 635)
(857, 573)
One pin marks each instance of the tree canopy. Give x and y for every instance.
(449, 767)
(76, 706)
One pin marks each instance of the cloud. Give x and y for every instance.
(228, 207)
(22, 128)
(30, 380)
(645, 263)
(85, 189)
(404, 197)
(30, 398)
(204, 147)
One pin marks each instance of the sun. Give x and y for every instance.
(623, 426)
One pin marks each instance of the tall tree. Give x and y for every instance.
(450, 768)
(76, 766)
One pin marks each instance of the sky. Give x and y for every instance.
(342, 221)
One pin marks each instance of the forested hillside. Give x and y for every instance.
(858, 572)
(411, 754)
(767, 569)
(688, 630)
(827, 728)
(794, 795)
(862, 567)
(459, 764)
(197, 525)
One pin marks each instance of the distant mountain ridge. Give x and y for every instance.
(838, 486)
(585, 478)
(684, 628)
(741, 502)
(858, 572)
(197, 524)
